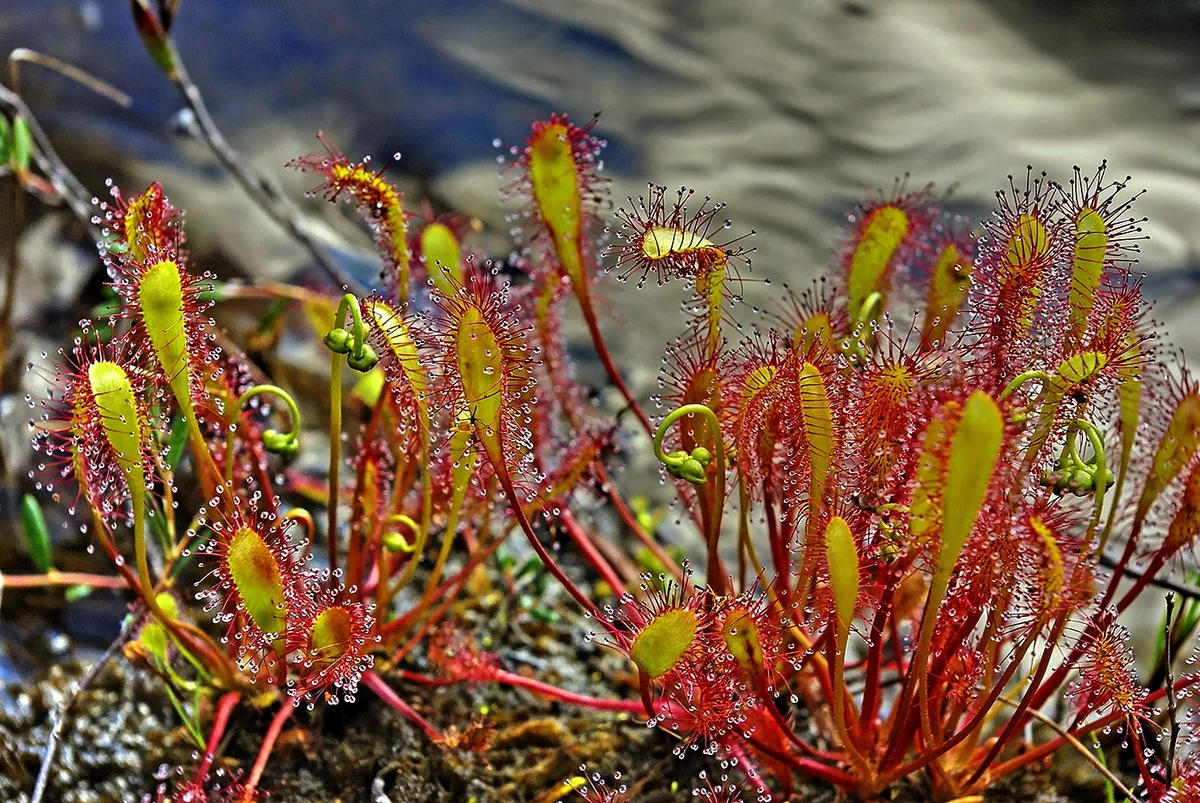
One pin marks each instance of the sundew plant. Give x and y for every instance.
(928, 488)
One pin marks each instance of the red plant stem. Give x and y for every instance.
(786, 728)
(377, 685)
(225, 706)
(1060, 673)
(536, 686)
(872, 674)
(1046, 749)
(424, 629)
(1139, 754)
(845, 717)
(915, 686)
(569, 697)
(584, 543)
(780, 554)
(807, 765)
(445, 592)
(63, 579)
(268, 744)
(1040, 693)
(822, 668)
(423, 680)
(589, 316)
(1026, 700)
(1126, 556)
(547, 559)
(646, 697)
(618, 502)
(110, 548)
(981, 711)
(898, 735)
(1139, 585)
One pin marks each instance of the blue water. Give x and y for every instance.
(367, 61)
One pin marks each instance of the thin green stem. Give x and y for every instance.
(349, 303)
(1100, 471)
(139, 547)
(435, 574)
(1021, 379)
(675, 463)
(292, 436)
(840, 699)
(335, 458)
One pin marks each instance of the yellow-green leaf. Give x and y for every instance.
(663, 643)
(842, 554)
(974, 452)
(1175, 451)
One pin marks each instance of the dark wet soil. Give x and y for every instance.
(123, 738)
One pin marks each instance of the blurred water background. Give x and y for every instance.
(789, 110)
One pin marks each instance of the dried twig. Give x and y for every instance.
(1135, 574)
(69, 188)
(1079, 747)
(262, 189)
(23, 55)
(60, 719)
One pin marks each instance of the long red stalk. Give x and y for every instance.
(583, 543)
(385, 693)
(225, 706)
(264, 752)
(569, 697)
(589, 317)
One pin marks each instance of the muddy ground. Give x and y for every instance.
(123, 738)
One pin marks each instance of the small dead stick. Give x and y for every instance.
(262, 189)
(1079, 748)
(60, 719)
(1110, 562)
(67, 187)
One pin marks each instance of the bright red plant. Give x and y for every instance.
(908, 528)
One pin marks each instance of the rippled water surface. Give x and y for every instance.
(788, 110)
